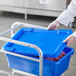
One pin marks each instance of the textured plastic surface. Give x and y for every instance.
(50, 68)
(49, 41)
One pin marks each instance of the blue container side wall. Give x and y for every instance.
(30, 66)
(62, 67)
(63, 64)
(50, 68)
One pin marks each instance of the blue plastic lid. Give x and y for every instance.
(49, 41)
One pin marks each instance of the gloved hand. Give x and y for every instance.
(53, 25)
(70, 39)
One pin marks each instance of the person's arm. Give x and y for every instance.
(65, 17)
(68, 14)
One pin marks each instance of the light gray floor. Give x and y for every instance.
(5, 23)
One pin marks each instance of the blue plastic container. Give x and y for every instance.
(50, 68)
(43, 39)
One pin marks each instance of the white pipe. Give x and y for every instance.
(4, 72)
(17, 24)
(7, 31)
(28, 45)
(30, 58)
(26, 25)
(23, 73)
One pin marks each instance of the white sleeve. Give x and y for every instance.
(68, 15)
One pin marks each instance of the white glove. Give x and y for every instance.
(70, 39)
(53, 25)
